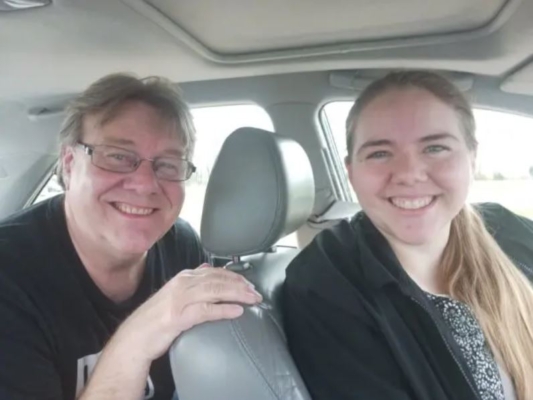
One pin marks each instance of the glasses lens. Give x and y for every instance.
(114, 159)
(172, 169)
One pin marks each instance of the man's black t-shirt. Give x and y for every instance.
(54, 320)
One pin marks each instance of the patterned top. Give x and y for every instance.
(469, 336)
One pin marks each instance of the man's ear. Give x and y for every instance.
(66, 158)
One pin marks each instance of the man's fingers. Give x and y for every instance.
(216, 291)
(201, 276)
(215, 312)
(189, 278)
(209, 294)
(219, 273)
(199, 313)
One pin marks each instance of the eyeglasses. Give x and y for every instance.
(116, 159)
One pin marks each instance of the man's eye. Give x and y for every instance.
(117, 156)
(378, 155)
(168, 166)
(121, 157)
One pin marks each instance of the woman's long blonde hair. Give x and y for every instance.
(476, 270)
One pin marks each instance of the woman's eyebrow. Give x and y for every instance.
(374, 143)
(437, 136)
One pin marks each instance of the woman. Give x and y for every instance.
(419, 296)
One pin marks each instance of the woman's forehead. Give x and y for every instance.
(406, 115)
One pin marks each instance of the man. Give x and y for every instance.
(95, 285)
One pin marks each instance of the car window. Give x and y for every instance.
(504, 170)
(213, 126)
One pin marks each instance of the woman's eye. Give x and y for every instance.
(436, 148)
(378, 155)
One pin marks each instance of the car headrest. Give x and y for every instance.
(261, 189)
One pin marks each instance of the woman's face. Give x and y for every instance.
(410, 165)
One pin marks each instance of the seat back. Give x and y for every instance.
(260, 190)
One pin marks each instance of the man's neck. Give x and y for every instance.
(422, 263)
(118, 277)
(118, 280)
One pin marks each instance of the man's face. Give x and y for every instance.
(123, 213)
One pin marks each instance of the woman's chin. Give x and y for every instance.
(419, 235)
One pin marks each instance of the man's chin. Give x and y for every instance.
(134, 246)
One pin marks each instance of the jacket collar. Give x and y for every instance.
(377, 260)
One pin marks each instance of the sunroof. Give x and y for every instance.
(14, 5)
(242, 26)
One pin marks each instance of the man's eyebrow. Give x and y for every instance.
(437, 136)
(173, 152)
(128, 142)
(374, 143)
(125, 142)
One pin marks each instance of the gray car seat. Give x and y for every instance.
(261, 189)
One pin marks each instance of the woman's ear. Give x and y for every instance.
(473, 162)
(348, 166)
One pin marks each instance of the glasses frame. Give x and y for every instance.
(89, 150)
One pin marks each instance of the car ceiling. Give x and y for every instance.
(61, 48)
(288, 57)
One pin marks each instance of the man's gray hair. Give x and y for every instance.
(110, 94)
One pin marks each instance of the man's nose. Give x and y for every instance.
(143, 179)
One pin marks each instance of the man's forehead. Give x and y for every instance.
(96, 127)
(168, 139)
(130, 111)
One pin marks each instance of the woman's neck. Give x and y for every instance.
(422, 262)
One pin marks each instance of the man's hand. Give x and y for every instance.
(190, 298)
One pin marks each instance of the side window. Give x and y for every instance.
(504, 172)
(50, 189)
(213, 125)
